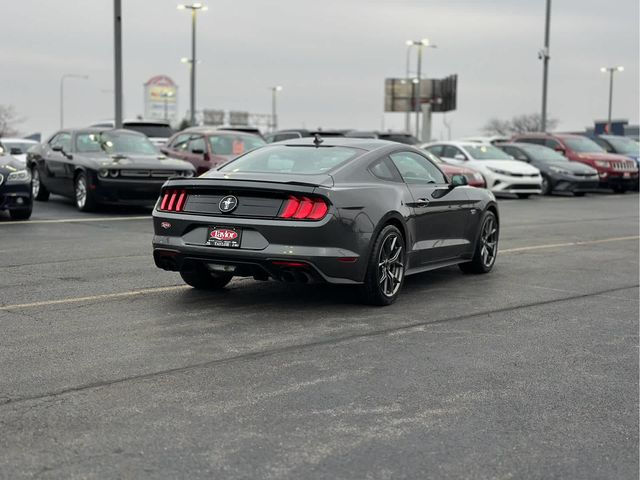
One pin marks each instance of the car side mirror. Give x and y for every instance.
(164, 150)
(15, 151)
(197, 151)
(459, 156)
(458, 181)
(57, 148)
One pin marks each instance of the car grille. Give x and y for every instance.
(623, 166)
(584, 175)
(149, 173)
(523, 175)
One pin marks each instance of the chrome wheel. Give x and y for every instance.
(391, 265)
(81, 191)
(35, 183)
(489, 241)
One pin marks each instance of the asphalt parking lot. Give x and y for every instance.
(112, 368)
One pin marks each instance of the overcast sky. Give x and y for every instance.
(331, 57)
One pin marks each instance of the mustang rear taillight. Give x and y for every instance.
(304, 208)
(173, 200)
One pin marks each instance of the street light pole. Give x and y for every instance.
(544, 56)
(62, 79)
(117, 61)
(611, 71)
(166, 96)
(194, 9)
(407, 118)
(417, 81)
(274, 116)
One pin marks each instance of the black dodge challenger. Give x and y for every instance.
(344, 211)
(15, 187)
(97, 166)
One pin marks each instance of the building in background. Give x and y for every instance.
(161, 99)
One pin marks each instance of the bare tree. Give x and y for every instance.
(8, 121)
(519, 124)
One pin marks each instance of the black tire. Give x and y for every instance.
(523, 195)
(38, 190)
(200, 278)
(547, 188)
(578, 194)
(21, 213)
(385, 269)
(479, 263)
(83, 195)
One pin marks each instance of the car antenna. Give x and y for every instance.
(317, 140)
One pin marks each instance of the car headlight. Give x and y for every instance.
(601, 163)
(21, 176)
(559, 170)
(114, 173)
(103, 173)
(188, 173)
(499, 172)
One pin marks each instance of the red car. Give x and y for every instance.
(616, 171)
(205, 147)
(474, 178)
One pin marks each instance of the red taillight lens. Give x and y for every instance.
(173, 200)
(304, 208)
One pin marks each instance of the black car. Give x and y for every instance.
(558, 173)
(342, 211)
(97, 166)
(15, 187)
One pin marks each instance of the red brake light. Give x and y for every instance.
(173, 200)
(304, 208)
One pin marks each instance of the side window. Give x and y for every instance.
(197, 145)
(384, 170)
(450, 151)
(551, 143)
(436, 150)
(286, 136)
(180, 142)
(416, 169)
(535, 141)
(515, 153)
(604, 144)
(62, 139)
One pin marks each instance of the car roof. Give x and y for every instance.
(206, 130)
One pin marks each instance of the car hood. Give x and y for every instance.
(9, 163)
(511, 166)
(136, 161)
(574, 167)
(610, 157)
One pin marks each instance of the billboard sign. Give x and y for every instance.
(238, 118)
(213, 117)
(160, 98)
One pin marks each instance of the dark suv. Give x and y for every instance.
(615, 171)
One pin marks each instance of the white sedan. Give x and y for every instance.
(502, 172)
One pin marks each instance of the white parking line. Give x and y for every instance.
(76, 220)
(92, 298)
(568, 244)
(173, 288)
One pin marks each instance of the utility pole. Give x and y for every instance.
(610, 71)
(418, 105)
(194, 11)
(544, 55)
(117, 57)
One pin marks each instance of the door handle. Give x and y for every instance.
(423, 202)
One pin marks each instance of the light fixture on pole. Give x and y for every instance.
(194, 7)
(421, 44)
(611, 71)
(62, 79)
(274, 116)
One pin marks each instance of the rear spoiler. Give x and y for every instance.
(285, 186)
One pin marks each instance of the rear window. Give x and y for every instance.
(297, 159)
(157, 130)
(233, 144)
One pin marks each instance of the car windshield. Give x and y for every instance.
(583, 145)
(233, 144)
(114, 143)
(543, 154)
(399, 137)
(23, 146)
(153, 130)
(486, 152)
(624, 145)
(298, 159)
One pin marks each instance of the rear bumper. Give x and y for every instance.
(283, 250)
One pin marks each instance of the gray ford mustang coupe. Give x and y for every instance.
(344, 211)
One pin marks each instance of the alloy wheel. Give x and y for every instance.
(489, 241)
(35, 183)
(81, 191)
(391, 265)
